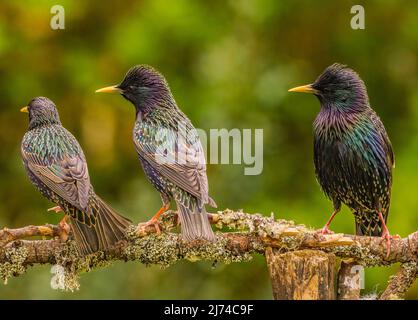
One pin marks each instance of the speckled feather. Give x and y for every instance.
(54, 160)
(353, 155)
(56, 165)
(157, 135)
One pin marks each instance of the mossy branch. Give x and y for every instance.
(254, 234)
(401, 282)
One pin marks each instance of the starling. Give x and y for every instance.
(353, 155)
(169, 150)
(56, 165)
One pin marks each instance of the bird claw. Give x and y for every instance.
(64, 229)
(325, 230)
(56, 209)
(141, 228)
(386, 236)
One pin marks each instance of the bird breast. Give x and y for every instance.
(334, 124)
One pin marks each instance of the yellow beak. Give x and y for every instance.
(109, 89)
(24, 109)
(306, 88)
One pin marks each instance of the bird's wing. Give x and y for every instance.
(176, 155)
(385, 138)
(375, 156)
(68, 177)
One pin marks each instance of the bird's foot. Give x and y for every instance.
(64, 229)
(388, 237)
(385, 234)
(56, 209)
(325, 230)
(141, 228)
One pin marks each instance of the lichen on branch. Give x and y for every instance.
(253, 233)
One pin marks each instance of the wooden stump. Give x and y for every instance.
(302, 275)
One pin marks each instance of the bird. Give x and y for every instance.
(57, 167)
(169, 150)
(353, 155)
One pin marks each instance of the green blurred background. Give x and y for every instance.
(229, 64)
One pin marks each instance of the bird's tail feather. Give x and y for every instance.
(194, 223)
(107, 231)
(368, 224)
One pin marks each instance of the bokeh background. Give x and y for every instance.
(229, 64)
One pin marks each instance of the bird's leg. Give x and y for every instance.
(325, 229)
(57, 209)
(385, 234)
(64, 228)
(154, 220)
(63, 225)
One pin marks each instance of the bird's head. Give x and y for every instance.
(338, 87)
(42, 111)
(144, 86)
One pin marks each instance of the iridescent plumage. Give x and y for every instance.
(353, 155)
(56, 165)
(169, 149)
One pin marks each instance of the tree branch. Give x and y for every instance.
(257, 233)
(401, 282)
(9, 235)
